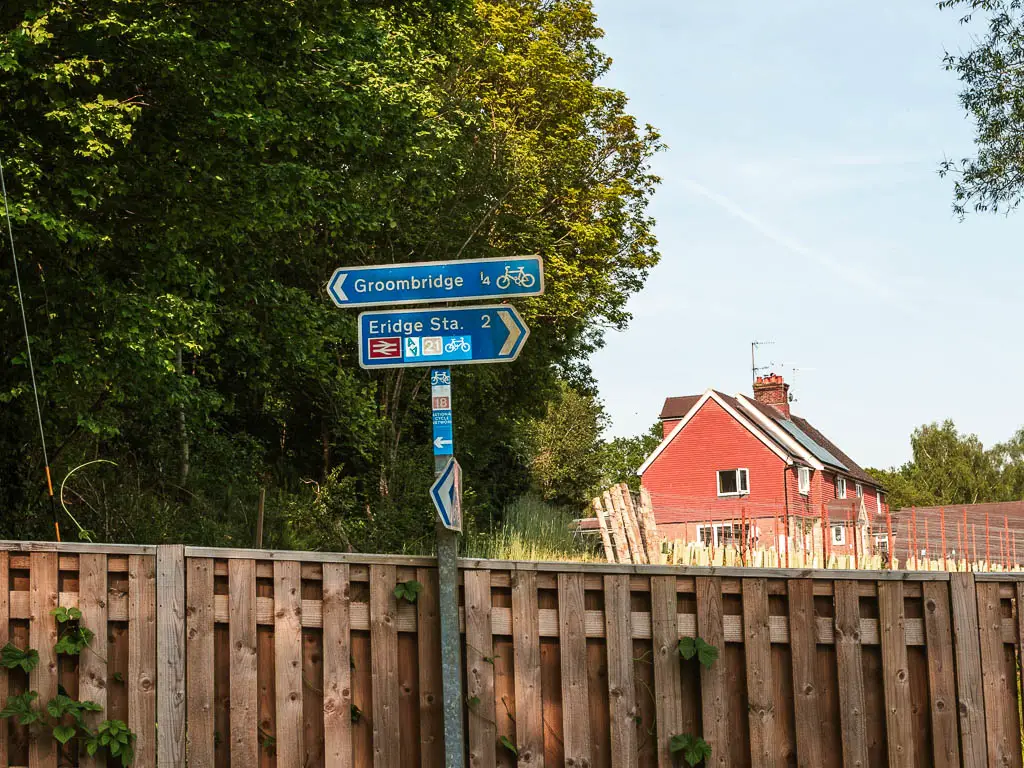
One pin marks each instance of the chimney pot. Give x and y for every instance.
(772, 390)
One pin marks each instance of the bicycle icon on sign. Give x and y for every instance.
(518, 277)
(457, 345)
(440, 378)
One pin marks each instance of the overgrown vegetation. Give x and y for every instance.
(531, 529)
(62, 716)
(183, 179)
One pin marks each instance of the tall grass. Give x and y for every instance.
(531, 530)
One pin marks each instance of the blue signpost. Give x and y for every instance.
(437, 281)
(405, 338)
(439, 337)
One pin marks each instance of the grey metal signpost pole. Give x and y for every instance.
(451, 646)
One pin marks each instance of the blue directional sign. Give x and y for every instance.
(436, 281)
(446, 493)
(406, 338)
(441, 408)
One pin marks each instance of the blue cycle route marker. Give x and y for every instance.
(437, 281)
(441, 408)
(407, 338)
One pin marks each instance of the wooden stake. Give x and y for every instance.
(259, 518)
(892, 551)
(942, 526)
(988, 546)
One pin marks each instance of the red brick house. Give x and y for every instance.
(729, 464)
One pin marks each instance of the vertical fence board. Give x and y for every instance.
(384, 651)
(899, 725)
(667, 683)
(851, 674)
(970, 694)
(994, 682)
(803, 649)
(941, 680)
(170, 656)
(621, 687)
(713, 681)
(573, 643)
(337, 667)
(5, 637)
(758, 650)
(92, 664)
(428, 629)
(288, 661)
(480, 669)
(200, 660)
(526, 647)
(42, 637)
(142, 655)
(244, 685)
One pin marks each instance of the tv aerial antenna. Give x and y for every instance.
(796, 370)
(754, 367)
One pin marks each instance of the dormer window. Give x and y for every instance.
(733, 482)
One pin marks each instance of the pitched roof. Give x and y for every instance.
(852, 468)
(678, 407)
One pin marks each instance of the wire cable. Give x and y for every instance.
(28, 347)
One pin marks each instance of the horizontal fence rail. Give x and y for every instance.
(221, 657)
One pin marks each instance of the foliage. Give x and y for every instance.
(73, 638)
(530, 529)
(506, 742)
(114, 736)
(408, 590)
(692, 748)
(949, 467)
(992, 76)
(694, 646)
(565, 446)
(13, 657)
(623, 456)
(183, 179)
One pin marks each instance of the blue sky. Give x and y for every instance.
(800, 203)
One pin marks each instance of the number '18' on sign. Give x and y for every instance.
(405, 338)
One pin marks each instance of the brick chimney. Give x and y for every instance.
(772, 390)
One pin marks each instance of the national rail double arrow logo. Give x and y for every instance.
(385, 348)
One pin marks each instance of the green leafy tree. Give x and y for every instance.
(183, 180)
(992, 76)
(566, 448)
(622, 457)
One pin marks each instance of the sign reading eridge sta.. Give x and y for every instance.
(435, 281)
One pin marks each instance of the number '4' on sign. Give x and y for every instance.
(484, 279)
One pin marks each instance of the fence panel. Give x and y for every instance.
(274, 659)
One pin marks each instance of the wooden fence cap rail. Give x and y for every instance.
(688, 570)
(75, 547)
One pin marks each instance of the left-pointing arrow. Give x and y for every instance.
(441, 442)
(336, 292)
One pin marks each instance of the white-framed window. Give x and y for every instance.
(838, 534)
(840, 487)
(804, 480)
(720, 534)
(881, 542)
(860, 490)
(878, 502)
(733, 482)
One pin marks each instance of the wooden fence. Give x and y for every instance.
(259, 658)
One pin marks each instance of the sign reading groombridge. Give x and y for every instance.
(428, 282)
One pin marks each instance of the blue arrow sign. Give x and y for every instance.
(446, 493)
(433, 281)
(405, 338)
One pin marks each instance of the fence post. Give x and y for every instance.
(170, 655)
